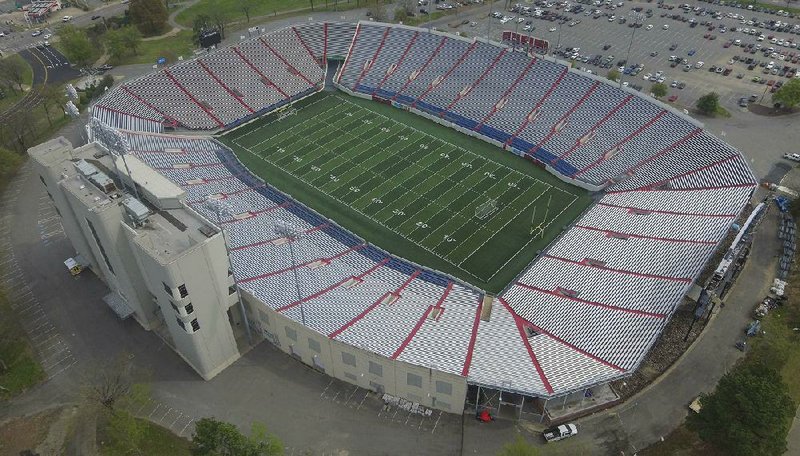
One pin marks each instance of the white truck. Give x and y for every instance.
(557, 433)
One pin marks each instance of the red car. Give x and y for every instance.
(727, 44)
(672, 98)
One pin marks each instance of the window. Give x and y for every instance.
(100, 246)
(444, 387)
(183, 291)
(167, 288)
(349, 359)
(189, 308)
(314, 345)
(231, 290)
(291, 333)
(174, 307)
(414, 380)
(180, 323)
(350, 377)
(375, 369)
(195, 325)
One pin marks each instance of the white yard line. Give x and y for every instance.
(356, 133)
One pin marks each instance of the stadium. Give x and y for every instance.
(438, 215)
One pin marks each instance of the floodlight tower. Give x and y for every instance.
(292, 234)
(220, 207)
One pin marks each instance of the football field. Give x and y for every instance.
(467, 207)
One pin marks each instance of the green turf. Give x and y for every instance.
(411, 186)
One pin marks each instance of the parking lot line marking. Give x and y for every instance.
(366, 393)
(158, 404)
(437, 422)
(187, 425)
(74, 362)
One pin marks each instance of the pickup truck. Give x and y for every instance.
(557, 433)
(792, 157)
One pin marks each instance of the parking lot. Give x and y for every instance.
(593, 31)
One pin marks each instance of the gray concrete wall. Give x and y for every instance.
(203, 270)
(429, 387)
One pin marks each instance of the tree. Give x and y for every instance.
(119, 42)
(110, 384)
(377, 11)
(788, 95)
(407, 5)
(202, 22)
(21, 125)
(132, 38)
(246, 6)
(749, 414)
(218, 18)
(519, 447)
(400, 15)
(12, 71)
(52, 98)
(76, 45)
(115, 46)
(708, 104)
(149, 16)
(613, 75)
(215, 438)
(658, 90)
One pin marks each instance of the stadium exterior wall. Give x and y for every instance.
(427, 386)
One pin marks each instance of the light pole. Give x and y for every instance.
(292, 234)
(489, 21)
(219, 207)
(558, 40)
(637, 19)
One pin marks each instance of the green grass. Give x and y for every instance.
(170, 47)
(231, 11)
(156, 440)
(422, 18)
(411, 186)
(24, 371)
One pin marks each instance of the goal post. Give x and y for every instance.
(486, 209)
(538, 227)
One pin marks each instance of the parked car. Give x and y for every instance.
(562, 432)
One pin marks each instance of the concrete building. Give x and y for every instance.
(165, 265)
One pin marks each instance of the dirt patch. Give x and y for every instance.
(26, 433)
(768, 111)
(669, 347)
